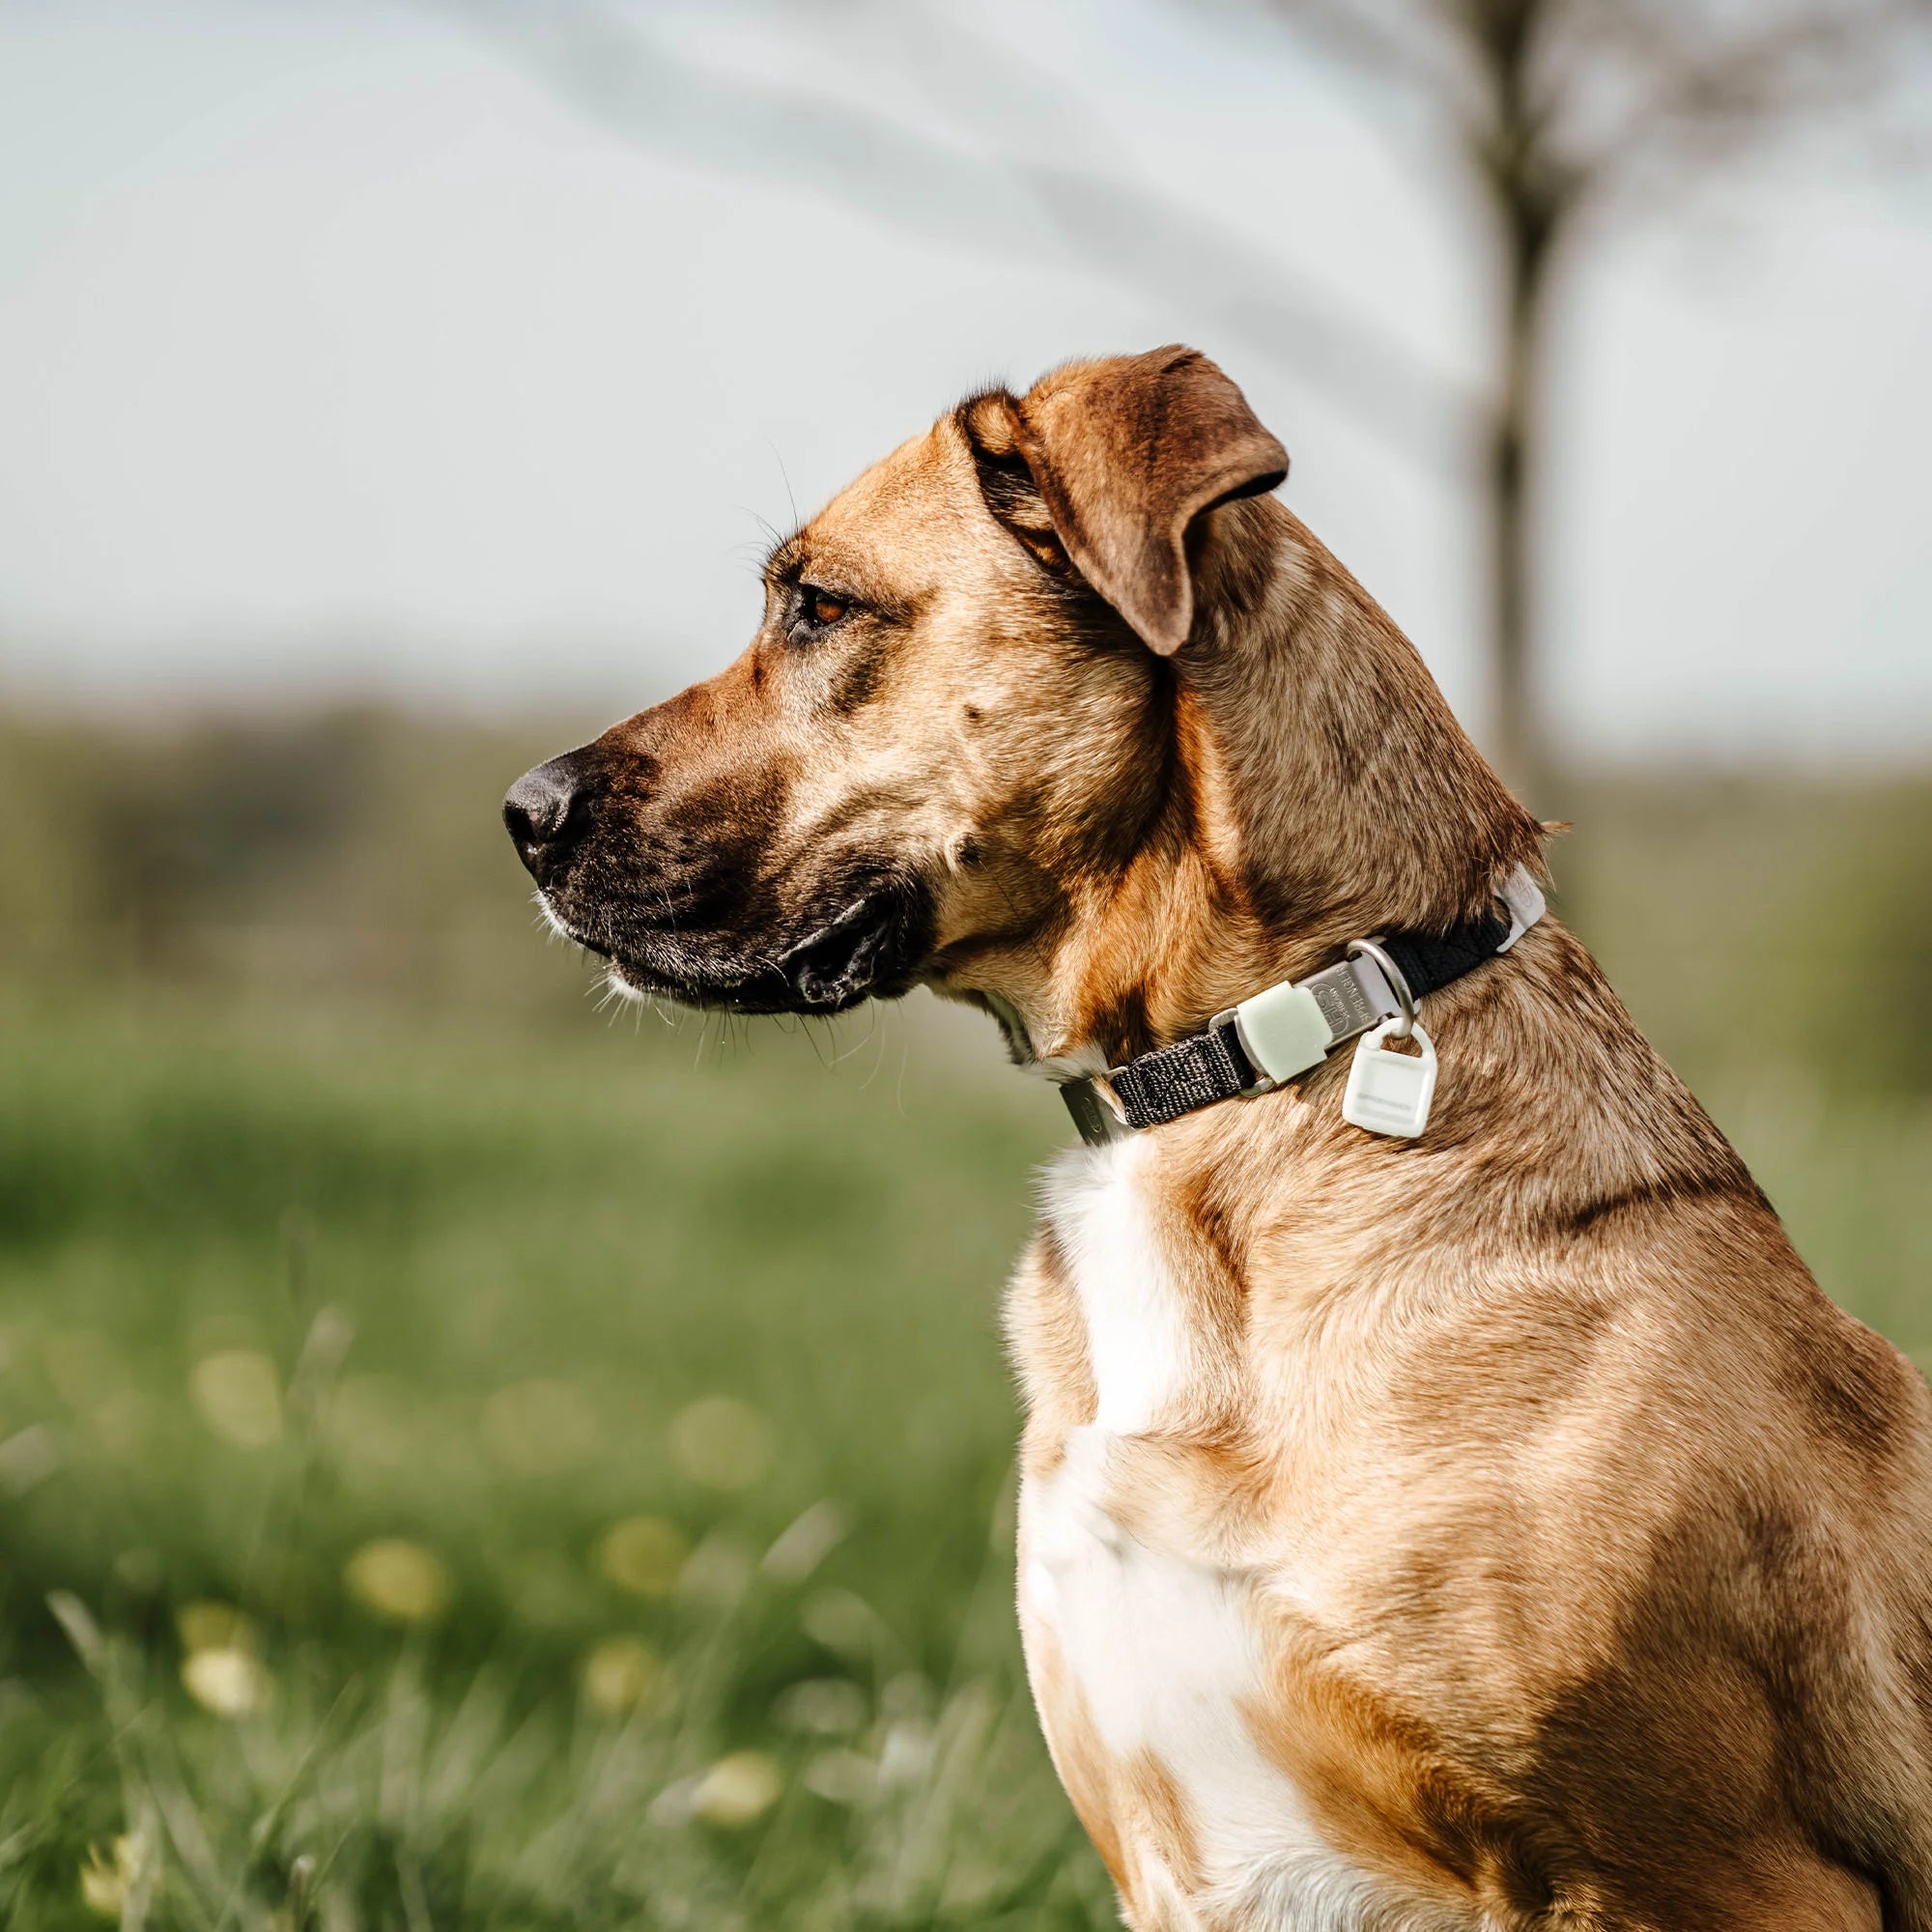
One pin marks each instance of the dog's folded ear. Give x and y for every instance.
(1101, 468)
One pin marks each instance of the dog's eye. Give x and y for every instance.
(819, 609)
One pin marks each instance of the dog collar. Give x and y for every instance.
(1283, 1032)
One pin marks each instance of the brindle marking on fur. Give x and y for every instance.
(1860, 1393)
(857, 681)
(1674, 1191)
(1216, 1211)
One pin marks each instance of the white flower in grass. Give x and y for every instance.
(399, 1582)
(231, 1681)
(738, 1789)
(618, 1674)
(722, 1443)
(822, 1707)
(238, 1393)
(907, 1755)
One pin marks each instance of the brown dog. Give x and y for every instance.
(1490, 1528)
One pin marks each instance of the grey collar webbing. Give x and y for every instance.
(1284, 1031)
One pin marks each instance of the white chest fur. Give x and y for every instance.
(1166, 1650)
(1137, 1335)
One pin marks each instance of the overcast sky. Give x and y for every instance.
(343, 347)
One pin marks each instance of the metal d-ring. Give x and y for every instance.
(1398, 986)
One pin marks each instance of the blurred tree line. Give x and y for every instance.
(346, 850)
(1772, 920)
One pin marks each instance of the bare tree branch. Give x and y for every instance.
(1699, 97)
(1401, 41)
(1008, 206)
(1573, 98)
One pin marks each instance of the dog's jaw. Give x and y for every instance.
(871, 949)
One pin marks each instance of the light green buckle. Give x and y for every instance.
(1283, 1030)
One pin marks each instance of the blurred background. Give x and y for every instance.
(469, 1458)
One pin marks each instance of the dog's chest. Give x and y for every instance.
(1150, 1663)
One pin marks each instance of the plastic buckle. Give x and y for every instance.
(1283, 1030)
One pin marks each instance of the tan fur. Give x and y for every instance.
(1607, 1533)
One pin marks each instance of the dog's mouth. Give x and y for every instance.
(871, 948)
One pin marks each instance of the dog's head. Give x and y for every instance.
(950, 724)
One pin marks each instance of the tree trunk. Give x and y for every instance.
(1515, 483)
(1529, 203)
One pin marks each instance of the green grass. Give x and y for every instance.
(491, 1274)
(272, 1291)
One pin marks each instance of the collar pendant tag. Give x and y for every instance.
(1390, 1092)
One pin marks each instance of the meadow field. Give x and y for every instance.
(469, 1460)
(535, 1487)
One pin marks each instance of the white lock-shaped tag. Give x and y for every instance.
(1389, 1093)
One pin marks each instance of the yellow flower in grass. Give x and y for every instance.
(722, 1443)
(618, 1674)
(643, 1554)
(103, 1890)
(228, 1681)
(106, 1878)
(208, 1625)
(221, 1670)
(738, 1789)
(399, 1582)
(239, 1393)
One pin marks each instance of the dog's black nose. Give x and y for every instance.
(543, 813)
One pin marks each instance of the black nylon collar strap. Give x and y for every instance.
(1214, 1065)
(1430, 963)
(1193, 1072)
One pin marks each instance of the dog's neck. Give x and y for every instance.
(1321, 791)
